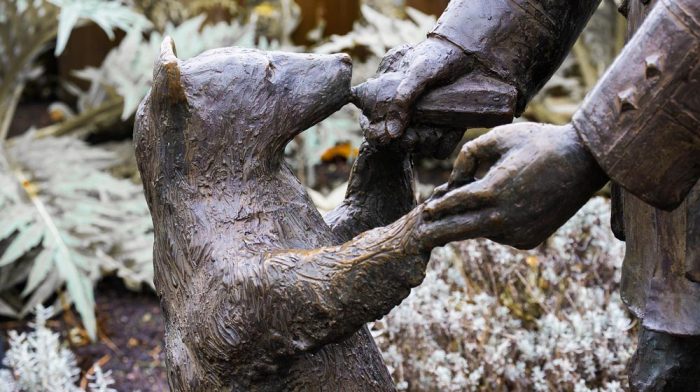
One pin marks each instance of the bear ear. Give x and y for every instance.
(167, 86)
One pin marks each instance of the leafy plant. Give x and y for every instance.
(28, 26)
(128, 69)
(126, 72)
(100, 381)
(489, 317)
(378, 33)
(37, 361)
(63, 216)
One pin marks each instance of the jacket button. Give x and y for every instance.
(653, 66)
(627, 101)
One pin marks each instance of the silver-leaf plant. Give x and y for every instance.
(64, 219)
(27, 27)
(489, 317)
(37, 361)
(127, 70)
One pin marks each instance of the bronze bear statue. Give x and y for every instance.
(258, 292)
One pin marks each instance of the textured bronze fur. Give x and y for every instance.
(258, 292)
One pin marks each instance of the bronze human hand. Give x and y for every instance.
(404, 74)
(515, 185)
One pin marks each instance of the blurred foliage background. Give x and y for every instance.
(72, 73)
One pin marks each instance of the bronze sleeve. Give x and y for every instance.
(523, 42)
(642, 120)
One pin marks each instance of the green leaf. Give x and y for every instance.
(27, 239)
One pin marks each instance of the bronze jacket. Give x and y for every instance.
(641, 122)
(658, 208)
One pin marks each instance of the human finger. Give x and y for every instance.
(468, 197)
(439, 191)
(484, 150)
(472, 224)
(414, 83)
(393, 58)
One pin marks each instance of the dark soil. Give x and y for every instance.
(131, 328)
(29, 114)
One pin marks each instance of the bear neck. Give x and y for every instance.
(274, 206)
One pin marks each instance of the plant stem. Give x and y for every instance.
(588, 71)
(6, 117)
(108, 110)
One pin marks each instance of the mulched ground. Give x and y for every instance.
(130, 342)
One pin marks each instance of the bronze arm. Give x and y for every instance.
(522, 42)
(479, 67)
(380, 191)
(642, 121)
(340, 288)
(291, 303)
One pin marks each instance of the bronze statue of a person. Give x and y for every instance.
(639, 128)
(260, 293)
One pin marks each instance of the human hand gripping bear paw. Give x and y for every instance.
(515, 185)
(405, 73)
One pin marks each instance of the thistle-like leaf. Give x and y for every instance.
(17, 219)
(66, 219)
(40, 270)
(127, 70)
(27, 27)
(28, 237)
(109, 15)
(79, 289)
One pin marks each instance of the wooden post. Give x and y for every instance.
(339, 16)
(435, 7)
(87, 47)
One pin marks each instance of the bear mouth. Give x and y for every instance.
(338, 92)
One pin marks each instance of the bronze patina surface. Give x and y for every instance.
(260, 293)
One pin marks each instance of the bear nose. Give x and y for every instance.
(345, 58)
